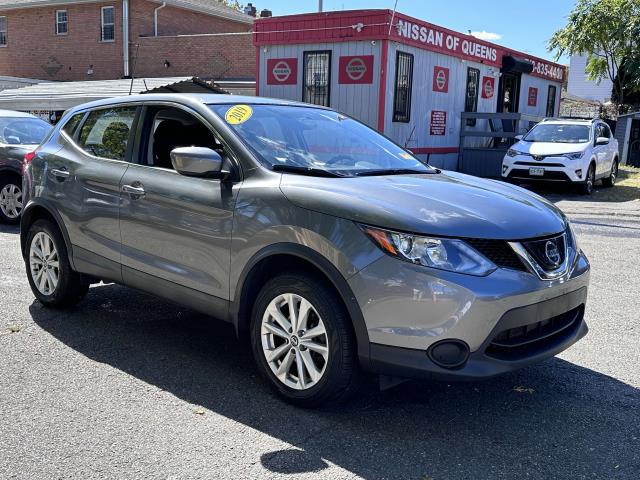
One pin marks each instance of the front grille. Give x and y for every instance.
(524, 174)
(499, 252)
(548, 252)
(538, 164)
(528, 340)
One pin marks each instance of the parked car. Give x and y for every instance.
(19, 133)
(565, 150)
(330, 248)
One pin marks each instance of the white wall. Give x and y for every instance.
(583, 88)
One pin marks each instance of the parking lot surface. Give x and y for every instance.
(128, 386)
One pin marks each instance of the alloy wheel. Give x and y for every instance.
(590, 179)
(44, 263)
(294, 341)
(614, 172)
(11, 201)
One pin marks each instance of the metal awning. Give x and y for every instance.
(56, 96)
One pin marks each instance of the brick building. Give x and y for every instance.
(63, 40)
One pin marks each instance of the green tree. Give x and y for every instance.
(232, 3)
(607, 32)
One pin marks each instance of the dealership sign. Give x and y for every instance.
(533, 97)
(356, 69)
(488, 87)
(440, 79)
(282, 71)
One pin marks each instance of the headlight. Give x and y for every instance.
(513, 153)
(441, 253)
(574, 156)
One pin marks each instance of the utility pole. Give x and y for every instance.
(319, 5)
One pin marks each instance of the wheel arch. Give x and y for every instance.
(34, 211)
(282, 257)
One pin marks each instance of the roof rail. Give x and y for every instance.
(591, 119)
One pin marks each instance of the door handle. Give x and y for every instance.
(61, 173)
(134, 190)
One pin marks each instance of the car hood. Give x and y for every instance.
(548, 148)
(446, 204)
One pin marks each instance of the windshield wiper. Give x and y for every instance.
(313, 172)
(394, 171)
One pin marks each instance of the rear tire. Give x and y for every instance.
(320, 341)
(10, 199)
(610, 181)
(51, 278)
(587, 186)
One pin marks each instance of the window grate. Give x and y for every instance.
(317, 78)
(551, 101)
(471, 97)
(402, 88)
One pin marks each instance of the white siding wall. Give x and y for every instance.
(424, 100)
(543, 92)
(359, 101)
(581, 87)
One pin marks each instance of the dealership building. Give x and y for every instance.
(405, 77)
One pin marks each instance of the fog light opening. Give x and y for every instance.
(504, 168)
(449, 353)
(579, 173)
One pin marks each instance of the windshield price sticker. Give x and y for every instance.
(238, 114)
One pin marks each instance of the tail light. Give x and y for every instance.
(28, 158)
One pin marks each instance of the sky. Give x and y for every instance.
(522, 25)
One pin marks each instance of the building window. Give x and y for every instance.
(3, 31)
(402, 88)
(316, 87)
(108, 30)
(551, 101)
(61, 22)
(471, 95)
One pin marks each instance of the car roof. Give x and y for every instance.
(205, 99)
(15, 114)
(571, 121)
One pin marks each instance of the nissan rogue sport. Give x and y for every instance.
(330, 248)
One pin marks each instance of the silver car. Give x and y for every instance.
(19, 133)
(331, 249)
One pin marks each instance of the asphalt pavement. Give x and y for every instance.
(128, 386)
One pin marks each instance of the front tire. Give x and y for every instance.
(610, 181)
(303, 341)
(51, 278)
(10, 199)
(590, 180)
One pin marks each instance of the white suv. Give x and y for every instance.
(570, 150)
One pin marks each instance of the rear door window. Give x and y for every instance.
(106, 133)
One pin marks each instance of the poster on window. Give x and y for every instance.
(356, 69)
(440, 79)
(533, 97)
(438, 122)
(488, 87)
(282, 71)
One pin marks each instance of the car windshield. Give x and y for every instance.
(23, 131)
(558, 133)
(316, 141)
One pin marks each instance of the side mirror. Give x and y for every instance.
(518, 137)
(13, 140)
(602, 141)
(197, 162)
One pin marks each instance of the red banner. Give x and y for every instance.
(488, 87)
(282, 71)
(440, 79)
(533, 97)
(438, 122)
(356, 69)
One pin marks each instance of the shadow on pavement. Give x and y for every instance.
(575, 423)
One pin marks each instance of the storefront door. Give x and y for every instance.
(509, 93)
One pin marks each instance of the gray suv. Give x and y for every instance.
(331, 249)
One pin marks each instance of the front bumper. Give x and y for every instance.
(556, 169)
(409, 309)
